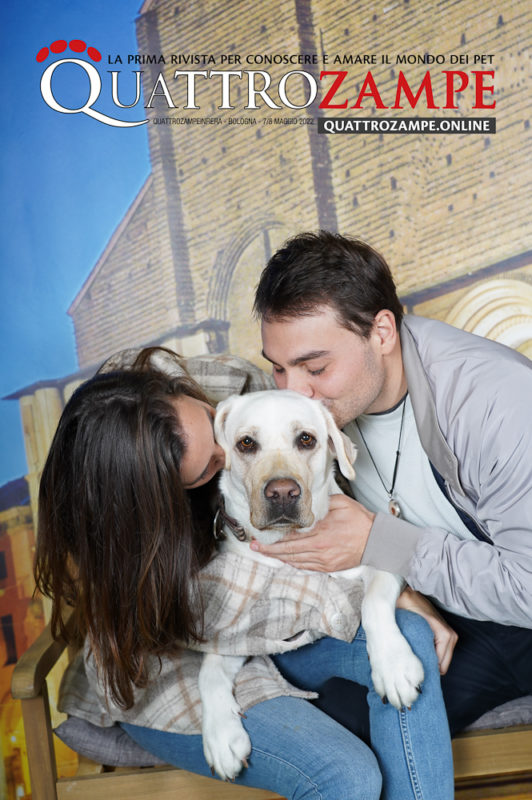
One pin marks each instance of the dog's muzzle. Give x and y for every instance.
(282, 501)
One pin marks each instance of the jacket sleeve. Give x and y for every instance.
(489, 580)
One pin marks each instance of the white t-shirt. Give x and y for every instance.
(420, 498)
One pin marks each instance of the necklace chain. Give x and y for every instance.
(393, 506)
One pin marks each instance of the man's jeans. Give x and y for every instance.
(491, 664)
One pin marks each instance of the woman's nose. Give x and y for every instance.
(219, 457)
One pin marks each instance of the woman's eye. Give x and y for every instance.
(317, 371)
(246, 444)
(306, 440)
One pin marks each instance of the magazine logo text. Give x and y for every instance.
(296, 89)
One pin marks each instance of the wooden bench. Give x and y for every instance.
(488, 763)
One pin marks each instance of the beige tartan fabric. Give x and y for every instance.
(250, 609)
(219, 376)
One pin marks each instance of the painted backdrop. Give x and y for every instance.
(157, 232)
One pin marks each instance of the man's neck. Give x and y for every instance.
(395, 385)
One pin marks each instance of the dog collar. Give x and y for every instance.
(222, 521)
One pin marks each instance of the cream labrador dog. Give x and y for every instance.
(280, 448)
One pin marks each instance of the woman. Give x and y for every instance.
(125, 537)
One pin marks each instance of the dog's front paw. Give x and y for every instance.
(226, 744)
(397, 673)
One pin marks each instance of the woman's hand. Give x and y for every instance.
(335, 543)
(445, 638)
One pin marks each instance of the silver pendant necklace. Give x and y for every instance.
(393, 506)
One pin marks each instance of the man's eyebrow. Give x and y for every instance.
(312, 354)
(191, 483)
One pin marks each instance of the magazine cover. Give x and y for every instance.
(156, 154)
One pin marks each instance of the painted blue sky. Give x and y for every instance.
(67, 181)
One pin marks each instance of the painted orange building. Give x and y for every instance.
(21, 621)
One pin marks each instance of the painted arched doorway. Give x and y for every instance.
(499, 309)
(235, 276)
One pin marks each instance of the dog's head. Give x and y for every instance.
(279, 448)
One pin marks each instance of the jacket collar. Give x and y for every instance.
(421, 396)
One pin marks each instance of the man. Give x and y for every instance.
(441, 419)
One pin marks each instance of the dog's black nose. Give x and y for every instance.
(282, 490)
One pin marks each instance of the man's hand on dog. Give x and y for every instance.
(335, 543)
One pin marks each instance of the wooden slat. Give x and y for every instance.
(40, 746)
(483, 753)
(495, 789)
(163, 783)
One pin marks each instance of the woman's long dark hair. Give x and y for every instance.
(119, 538)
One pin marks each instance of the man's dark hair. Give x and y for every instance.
(315, 269)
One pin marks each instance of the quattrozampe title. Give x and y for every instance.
(440, 90)
(297, 89)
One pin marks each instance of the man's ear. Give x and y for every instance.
(385, 328)
(220, 421)
(341, 446)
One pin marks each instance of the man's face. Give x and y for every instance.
(318, 357)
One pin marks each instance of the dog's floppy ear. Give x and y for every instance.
(341, 445)
(222, 412)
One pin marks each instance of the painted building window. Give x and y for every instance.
(6, 624)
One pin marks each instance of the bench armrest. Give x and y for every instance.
(34, 665)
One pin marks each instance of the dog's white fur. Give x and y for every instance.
(274, 422)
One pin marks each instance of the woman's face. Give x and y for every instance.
(203, 457)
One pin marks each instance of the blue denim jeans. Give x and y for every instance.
(301, 753)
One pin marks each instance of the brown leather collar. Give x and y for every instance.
(222, 521)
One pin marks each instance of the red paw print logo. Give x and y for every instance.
(70, 52)
(76, 45)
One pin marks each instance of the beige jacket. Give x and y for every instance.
(249, 609)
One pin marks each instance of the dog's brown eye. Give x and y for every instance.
(306, 440)
(246, 444)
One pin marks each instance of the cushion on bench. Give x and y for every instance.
(115, 748)
(515, 712)
(110, 746)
